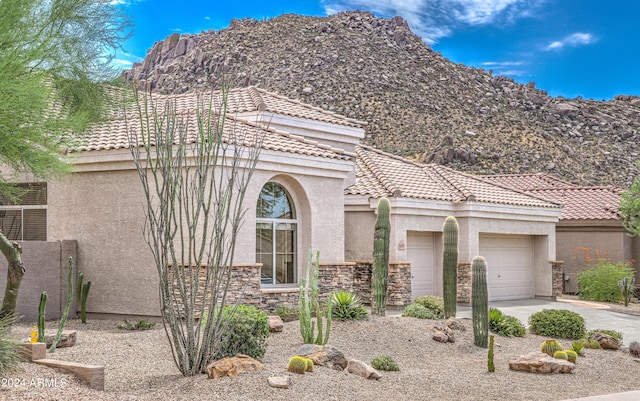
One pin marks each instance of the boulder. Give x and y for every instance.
(358, 367)
(442, 333)
(606, 341)
(324, 355)
(68, 339)
(539, 362)
(279, 381)
(634, 349)
(233, 366)
(454, 324)
(275, 324)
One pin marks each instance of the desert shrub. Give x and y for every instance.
(9, 356)
(286, 313)
(246, 333)
(346, 305)
(419, 311)
(138, 325)
(384, 362)
(505, 325)
(557, 323)
(615, 334)
(600, 283)
(433, 303)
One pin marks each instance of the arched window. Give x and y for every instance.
(276, 234)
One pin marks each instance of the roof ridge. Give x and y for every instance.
(446, 175)
(257, 99)
(312, 107)
(378, 173)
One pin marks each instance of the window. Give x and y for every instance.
(23, 217)
(276, 235)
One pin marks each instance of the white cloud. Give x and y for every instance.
(573, 40)
(207, 18)
(118, 2)
(125, 63)
(435, 19)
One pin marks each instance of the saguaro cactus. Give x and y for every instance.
(450, 265)
(380, 277)
(41, 310)
(309, 304)
(479, 301)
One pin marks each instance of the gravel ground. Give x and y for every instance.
(139, 366)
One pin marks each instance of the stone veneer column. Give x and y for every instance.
(399, 286)
(464, 283)
(557, 278)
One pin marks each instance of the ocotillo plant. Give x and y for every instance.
(450, 265)
(479, 301)
(308, 301)
(41, 311)
(380, 277)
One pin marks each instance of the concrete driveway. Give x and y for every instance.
(594, 315)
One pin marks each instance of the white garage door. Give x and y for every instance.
(420, 253)
(509, 266)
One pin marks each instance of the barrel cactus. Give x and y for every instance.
(572, 356)
(380, 277)
(550, 347)
(450, 265)
(479, 301)
(298, 364)
(560, 355)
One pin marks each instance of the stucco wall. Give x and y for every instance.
(101, 206)
(571, 241)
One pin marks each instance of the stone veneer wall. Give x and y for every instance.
(464, 283)
(557, 278)
(349, 276)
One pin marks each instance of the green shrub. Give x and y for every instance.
(286, 313)
(434, 303)
(139, 325)
(346, 305)
(557, 323)
(9, 356)
(384, 362)
(419, 311)
(246, 333)
(600, 283)
(615, 334)
(505, 325)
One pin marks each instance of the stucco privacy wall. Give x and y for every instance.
(46, 269)
(610, 240)
(101, 206)
(475, 219)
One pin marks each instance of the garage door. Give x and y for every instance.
(509, 266)
(420, 253)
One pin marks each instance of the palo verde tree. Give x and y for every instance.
(53, 56)
(194, 170)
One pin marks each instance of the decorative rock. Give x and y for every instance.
(539, 362)
(275, 324)
(324, 355)
(358, 367)
(233, 366)
(68, 339)
(443, 334)
(634, 349)
(454, 324)
(606, 341)
(279, 381)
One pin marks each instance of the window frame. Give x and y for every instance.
(23, 208)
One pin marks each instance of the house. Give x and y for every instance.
(589, 226)
(325, 185)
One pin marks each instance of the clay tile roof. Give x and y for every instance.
(382, 174)
(113, 134)
(579, 202)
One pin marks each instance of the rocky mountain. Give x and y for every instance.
(416, 102)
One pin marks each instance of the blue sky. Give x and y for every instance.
(570, 48)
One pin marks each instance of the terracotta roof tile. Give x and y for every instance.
(381, 174)
(579, 202)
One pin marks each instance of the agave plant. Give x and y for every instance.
(346, 305)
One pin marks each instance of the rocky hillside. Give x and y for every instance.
(416, 102)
